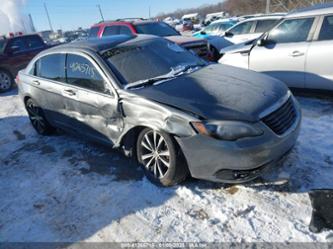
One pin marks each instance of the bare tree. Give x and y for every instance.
(243, 7)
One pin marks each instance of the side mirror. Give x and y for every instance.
(228, 34)
(263, 42)
(203, 33)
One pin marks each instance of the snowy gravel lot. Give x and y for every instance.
(61, 188)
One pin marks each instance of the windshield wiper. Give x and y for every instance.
(186, 68)
(175, 72)
(150, 81)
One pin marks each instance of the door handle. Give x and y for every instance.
(296, 53)
(36, 82)
(69, 92)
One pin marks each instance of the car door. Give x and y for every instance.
(240, 32)
(47, 83)
(90, 101)
(318, 69)
(284, 51)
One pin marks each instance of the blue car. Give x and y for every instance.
(215, 28)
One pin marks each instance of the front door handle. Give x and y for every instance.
(296, 53)
(69, 92)
(36, 82)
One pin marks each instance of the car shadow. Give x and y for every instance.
(73, 187)
(12, 92)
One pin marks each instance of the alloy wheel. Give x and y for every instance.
(5, 81)
(155, 154)
(36, 118)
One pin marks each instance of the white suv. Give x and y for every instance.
(298, 51)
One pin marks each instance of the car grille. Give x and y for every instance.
(282, 119)
(199, 49)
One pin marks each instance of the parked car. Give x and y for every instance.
(150, 27)
(185, 25)
(297, 51)
(15, 54)
(241, 32)
(251, 28)
(173, 111)
(215, 28)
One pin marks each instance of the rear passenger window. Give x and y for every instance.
(51, 67)
(111, 30)
(242, 28)
(19, 45)
(124, 30)
(265, 25)
(82, 73)
(34, 42)
(326, 32)
(93, 32)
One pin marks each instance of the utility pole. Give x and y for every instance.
(32, 26)
(268, 4)
(48, 16)
(100, 11)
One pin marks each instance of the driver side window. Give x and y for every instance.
(82, 73)
(293, 30)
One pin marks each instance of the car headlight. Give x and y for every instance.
(227, 130)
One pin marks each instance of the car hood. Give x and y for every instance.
(218, 92)
(183, 40)
(239, 48)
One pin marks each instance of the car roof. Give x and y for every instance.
(223, 21)
(268, 17)
(97, 44)
(133, 21)
(315, 10)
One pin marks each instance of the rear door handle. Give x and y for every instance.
(36, 82)
(296, 53)
(69, 92)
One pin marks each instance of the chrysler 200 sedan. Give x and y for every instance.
(163, 105)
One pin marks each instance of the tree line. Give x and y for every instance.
(243, 7)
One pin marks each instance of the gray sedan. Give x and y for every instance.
(172, 111)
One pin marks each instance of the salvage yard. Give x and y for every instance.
(64, 189)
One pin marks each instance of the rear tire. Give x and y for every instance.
(6, 81)
(37, 118)
(160, 158)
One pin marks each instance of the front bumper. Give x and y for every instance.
(237, 161)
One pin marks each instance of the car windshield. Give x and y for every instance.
(151, 61)
(155, 28)
(2, 45)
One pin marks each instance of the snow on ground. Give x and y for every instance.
(61, 188)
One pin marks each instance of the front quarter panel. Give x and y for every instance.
(142, 112)
(236, 59)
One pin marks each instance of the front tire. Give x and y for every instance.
(6, 81)
(37, 118)
(216, 54)
(160, 158)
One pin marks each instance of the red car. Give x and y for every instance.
(15, 54)
(151, 27)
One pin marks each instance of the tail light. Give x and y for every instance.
(17, 79)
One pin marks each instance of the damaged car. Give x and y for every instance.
(175, 113)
